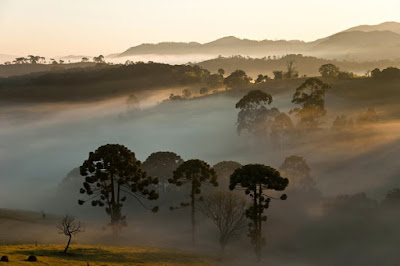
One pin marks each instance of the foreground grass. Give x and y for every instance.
(100, 255)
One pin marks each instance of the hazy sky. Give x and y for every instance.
(90, 27)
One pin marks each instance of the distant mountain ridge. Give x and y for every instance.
(386, 26)
(365, 42)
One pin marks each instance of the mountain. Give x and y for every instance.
(386, 26)
(366, 42)
(359, 45)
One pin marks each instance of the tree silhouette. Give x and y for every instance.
(329, 71)
(281, 127)
(224, 170)
(69, 227)
(221, 72)
(296, 169)
(99, 59)
(291, 70)
(278, 75)
(254, 114)
(237, 80)
(256, 179)
(311, 97)
(194, 172)
(161, 165)
(186, 94)
(111, 173)
(228, 212)
(85, 59)
(203, 91)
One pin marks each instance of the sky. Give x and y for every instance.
(92, 27)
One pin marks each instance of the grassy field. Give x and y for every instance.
(100, 255)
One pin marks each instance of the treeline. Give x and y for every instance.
(307, 65)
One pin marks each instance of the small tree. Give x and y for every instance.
(278, 75)
(255, 179)
(195, 172)
(204, 91)
(291, 70)
(329, 71)
(186, 94)
(228, 212)
(221, 72)
(69, 227)
(85, 59)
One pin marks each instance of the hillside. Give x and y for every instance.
(102, 255)
(386, 26)
(306, 65)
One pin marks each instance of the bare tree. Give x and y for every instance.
(69, 227)
(227, 211)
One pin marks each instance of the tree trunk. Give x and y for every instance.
(69, 241)
(193, 217)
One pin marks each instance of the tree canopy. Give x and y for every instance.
(111, 173)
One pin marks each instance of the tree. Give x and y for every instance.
(215, 81)
(256, 179)
(392, 198)
(195, 172)
(329, 71)
(281, 126)
(311, 97)
(261, 78)
(204, 91)
(254, 114)
(278, 75)
(291, 70)
(221, 72)
(69, 227)
(85, 59)
(368, 117)
(375, 73)
(224, 170)
(33, 59)
(228, 212)
(345, 75)
(20, 60)
(161, 165)
(296, 169)
(132, 102)
(111, 173)
(99, 59)
(186, 94)
(237, 80)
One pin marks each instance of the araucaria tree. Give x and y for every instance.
(256, 179)
(161, 165)
(111, 173)
(194, 172)
(311, 98)
(69, 227)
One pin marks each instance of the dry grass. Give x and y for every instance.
(101, 255)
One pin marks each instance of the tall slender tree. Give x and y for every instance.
(194, 172)
(256, 179)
